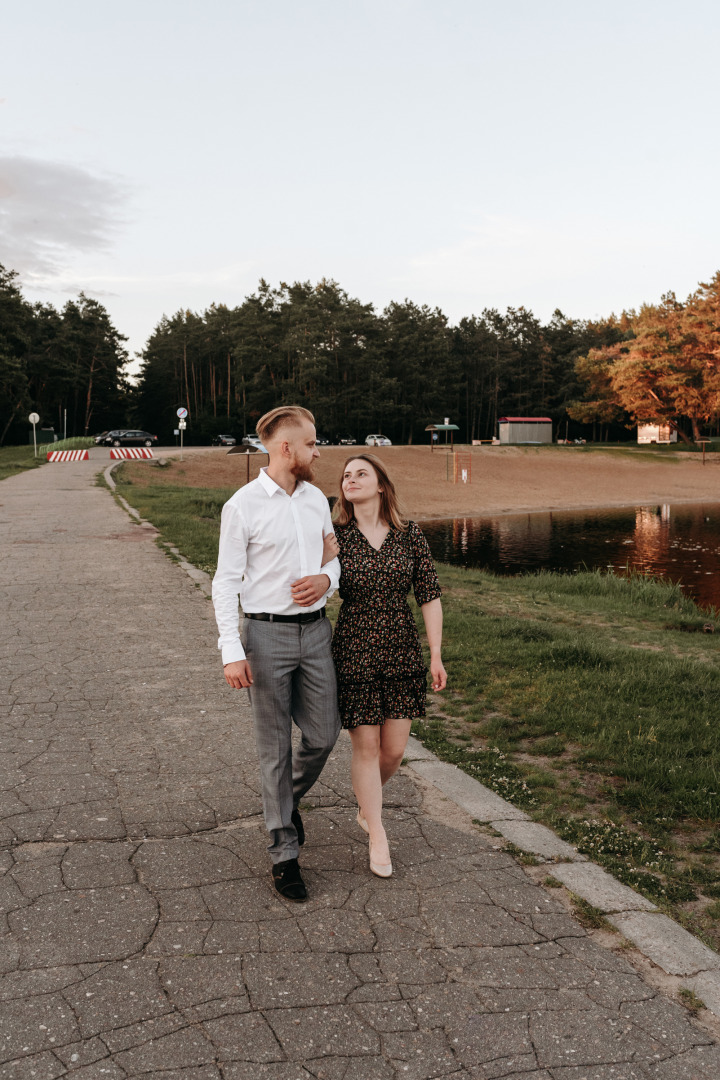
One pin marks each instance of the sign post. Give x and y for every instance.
(34, 419)
(182, 413)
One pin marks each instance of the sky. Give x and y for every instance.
(167, 154)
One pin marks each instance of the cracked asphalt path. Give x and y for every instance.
(140, 936)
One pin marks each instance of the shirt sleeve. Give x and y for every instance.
(332, 569)
(426, 586)
(232, 558)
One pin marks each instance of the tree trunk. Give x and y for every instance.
(195, 395)
(187, 388)
(88, 408)
(683, 436)
(18, 403)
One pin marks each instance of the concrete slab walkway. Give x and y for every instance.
(141, 936)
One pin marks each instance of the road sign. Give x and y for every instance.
(182, 413)
(182, 425)
(34, 419)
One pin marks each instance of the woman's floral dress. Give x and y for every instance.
(380, 667)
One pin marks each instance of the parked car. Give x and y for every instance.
(322, 440)
(377, 440)
(253, 440)
(100, 439)
(345, 440)
(224, 440)
(128, 438)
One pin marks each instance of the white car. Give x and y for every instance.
(377, 440)
(253, 440)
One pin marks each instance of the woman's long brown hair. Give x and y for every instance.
(344, 511)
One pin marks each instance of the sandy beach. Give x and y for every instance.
(503, 480)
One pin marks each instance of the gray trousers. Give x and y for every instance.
(293, 682)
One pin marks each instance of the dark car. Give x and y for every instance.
(129, 438)
(224, 440)
(322, 440)
(105, 437)
(345, 440)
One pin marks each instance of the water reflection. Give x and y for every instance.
(678, 542)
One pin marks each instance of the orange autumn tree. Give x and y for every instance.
(600, 404)
(669, 370)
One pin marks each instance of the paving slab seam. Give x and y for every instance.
(657, 937)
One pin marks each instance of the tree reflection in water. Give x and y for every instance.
(680, 542)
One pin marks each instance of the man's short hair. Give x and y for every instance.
(284, 416)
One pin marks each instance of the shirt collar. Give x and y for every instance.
(272, 488)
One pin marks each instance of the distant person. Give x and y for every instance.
(271, 550)
(382, 677)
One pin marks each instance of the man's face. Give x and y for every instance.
(301, 440)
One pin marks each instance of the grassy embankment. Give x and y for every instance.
(589, 700)
(15, 459)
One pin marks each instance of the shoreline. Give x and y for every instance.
(523, 511)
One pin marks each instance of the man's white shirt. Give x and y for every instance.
(268, 540)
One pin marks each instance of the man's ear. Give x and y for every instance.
(285, 448)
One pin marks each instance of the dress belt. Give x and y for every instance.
(301, 617)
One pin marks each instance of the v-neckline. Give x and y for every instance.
(376, 550)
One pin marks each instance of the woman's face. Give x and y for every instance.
(360, 482)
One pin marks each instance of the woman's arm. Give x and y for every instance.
(433, 618)
(331, 548)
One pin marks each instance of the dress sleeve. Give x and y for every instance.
(426, 586)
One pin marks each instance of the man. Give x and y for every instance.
(271, 550)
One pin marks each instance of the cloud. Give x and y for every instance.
(50, 212)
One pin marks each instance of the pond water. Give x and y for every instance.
(681, 543)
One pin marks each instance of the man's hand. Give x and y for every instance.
(308, 590)
(238, 674)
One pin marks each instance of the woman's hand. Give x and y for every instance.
(331, 548)
(438, 674)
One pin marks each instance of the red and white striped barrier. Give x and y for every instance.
(68, 455)
(122, 452)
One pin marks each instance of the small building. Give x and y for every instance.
(525, 429)
(656, 433)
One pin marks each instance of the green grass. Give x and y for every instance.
(16, 459)
(582, 698)
(188, 517)
(78, 442)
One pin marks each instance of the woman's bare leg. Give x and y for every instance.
(367, 785)
(378, 750)
(393, 741)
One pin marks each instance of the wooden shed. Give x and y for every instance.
(525, 429)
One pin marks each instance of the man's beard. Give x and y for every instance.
(302, 472)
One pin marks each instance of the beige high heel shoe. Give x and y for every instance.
(383, 870)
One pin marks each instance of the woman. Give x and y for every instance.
(376, 648)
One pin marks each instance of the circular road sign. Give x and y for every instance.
(182, 413)
(34, 418)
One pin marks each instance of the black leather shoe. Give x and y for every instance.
(288, 881)
(299, 827)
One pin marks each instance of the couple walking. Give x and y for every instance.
(279, 554)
